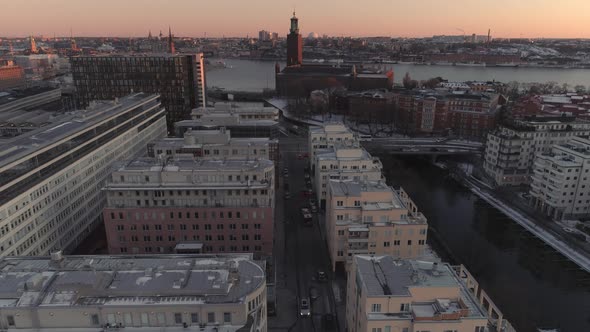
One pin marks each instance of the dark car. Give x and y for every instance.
(322, 276)
(313, 293)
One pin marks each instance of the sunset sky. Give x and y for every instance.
(399, 18)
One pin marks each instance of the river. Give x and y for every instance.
(254, 76)
(532, 284)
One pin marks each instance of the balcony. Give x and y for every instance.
(358, 246)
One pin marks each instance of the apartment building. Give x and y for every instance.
(511, 149)
(245, 110)
(371, 218)
(386, 294)
(217, 143)
(325, 137)
(462, 113)
(50, 178)
(346, 160)
(210, 206)
(560, 185)
(179, 79)
(11, 77)
(150, 293)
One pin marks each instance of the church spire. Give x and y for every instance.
(33, 45)
(171, 48)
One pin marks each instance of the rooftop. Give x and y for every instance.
(71, 124)
(125, 280)
(13, 95)
(184, 164)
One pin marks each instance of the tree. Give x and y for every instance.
(580, 89)
(408, 82)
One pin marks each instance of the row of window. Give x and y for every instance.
(206, 248)
(184, 227)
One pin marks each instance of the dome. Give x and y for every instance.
(313, 35)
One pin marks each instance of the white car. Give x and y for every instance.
(304, 308)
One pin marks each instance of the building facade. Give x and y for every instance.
(179, 79)
(215, 144)
(245, 110)
(216, 206)
(387, 294)
(371, 218)
(156, 293)
(321, 138)
(11, 77)
(560, 186)
(511, 149)
(345, 161)
(50, 195)
(460, 113)
(233, 122)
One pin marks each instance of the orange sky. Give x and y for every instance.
(400, 18)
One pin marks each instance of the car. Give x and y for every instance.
(313, 293)
(306, 176)
(287, 195)
(304, 308)
(299, 157)
(285, 170)
(314, 209)
(286, 175)
(313, 201)
(322, 276)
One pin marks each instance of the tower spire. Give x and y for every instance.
(33, 45)
(171, 48)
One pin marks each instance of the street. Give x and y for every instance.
(300, 250)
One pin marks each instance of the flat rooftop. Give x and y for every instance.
(18, 147)
(152, 280)
(183, 164)
(14, 95)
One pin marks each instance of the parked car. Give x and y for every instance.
(287, 195)
(322, 276)
(314, 293)
(304, 308)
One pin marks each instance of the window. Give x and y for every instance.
(386, 244)
(10, 320)
(194, 317)
(339, 203)
(480, 329)
(178, 318)
(404, 307)
(211, 317)
(409, 242)
(376, 307)
(376, 329)
(227, 317)
(340, 232)
(94, 319)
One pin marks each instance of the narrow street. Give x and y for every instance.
(303, 251)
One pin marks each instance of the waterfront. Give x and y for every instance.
(531, 283)
(254, 76)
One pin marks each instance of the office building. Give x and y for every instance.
(560, 186)
(210, 206)
(264, 35)
(511, 149)
(245, 110)
(322, 138)
(215, 144)
(371, 218)
(152, 293)
(345, 161)
(232, 122)
(50, 180)
(11, 77)
(27, 99)
(179, 79)
(387, 294)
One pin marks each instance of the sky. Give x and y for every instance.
(239, 18)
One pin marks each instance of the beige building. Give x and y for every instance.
(148, 293)
(385, 295)
(325, 137)
(510, 150)
(560, 185)
(245, 110)
(346, 160)
(371, 218)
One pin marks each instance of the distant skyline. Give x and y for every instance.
(238, 18)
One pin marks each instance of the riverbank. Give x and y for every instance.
(523, 218)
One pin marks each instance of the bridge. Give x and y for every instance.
(423, 146)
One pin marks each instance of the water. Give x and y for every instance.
(253, 76)
(532, 284)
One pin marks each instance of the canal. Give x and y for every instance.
(532, 284)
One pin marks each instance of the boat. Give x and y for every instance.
(507, 64)
(470, 64)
